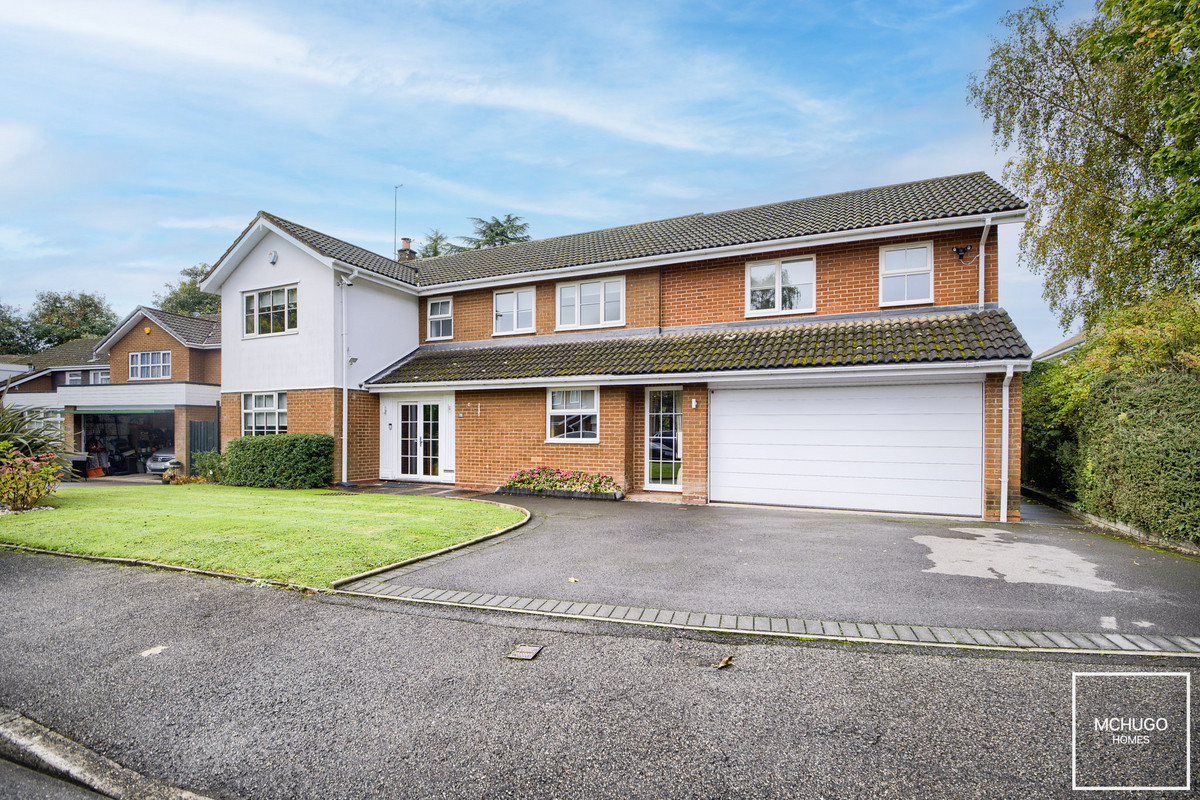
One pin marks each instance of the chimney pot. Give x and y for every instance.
(407, 243)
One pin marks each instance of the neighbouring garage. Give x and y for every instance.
(906, 448)
(119, 443)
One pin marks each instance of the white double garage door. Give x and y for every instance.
(908, 448)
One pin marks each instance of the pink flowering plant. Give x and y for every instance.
(547, 478)
(25, 480)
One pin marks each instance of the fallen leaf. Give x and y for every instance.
(153, 651)
(727, 661)
(572, 580)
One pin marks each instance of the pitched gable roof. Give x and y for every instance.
(202, 331)
(969, 336)
(917, 201)
(78, 353)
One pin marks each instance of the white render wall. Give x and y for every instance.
(382, 327)
(301, 360)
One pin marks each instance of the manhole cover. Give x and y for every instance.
(526, 652)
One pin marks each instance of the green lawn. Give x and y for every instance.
(306, 537)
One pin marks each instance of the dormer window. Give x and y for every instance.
(591, 304)
(270, 311)
(906, 274)
(786, 286)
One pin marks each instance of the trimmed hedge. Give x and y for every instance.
(281, 461)
(1139, 452)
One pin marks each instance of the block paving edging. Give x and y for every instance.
(788, 627)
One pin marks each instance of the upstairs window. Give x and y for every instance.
(906, 274)
(99, 377)
(74, 379)
(441, 319)
(271, 311)
(591, 304)
(572, 415)
(513, 311)
(150, 366)
(263, 414)
(781, 287)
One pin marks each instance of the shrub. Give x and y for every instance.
(561, 480)
(25, 480)
(281, 460)
(210, 465)
(34, 431)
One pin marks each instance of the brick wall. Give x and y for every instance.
(694, 430)
(502, 431)
(138, 341)
(205, 366)
(320, 411)
(473, 310)
(993, 402)
(43, 384)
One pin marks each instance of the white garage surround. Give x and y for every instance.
(908, 448)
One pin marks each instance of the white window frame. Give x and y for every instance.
(254, 295)
(551, 413)
(559, 325)
(73, 378)
(928, 269)
(430, 318)
(778, 264)
(275, 408)
(99, 377)
(661, 487)
(533, 315)
(164, 365)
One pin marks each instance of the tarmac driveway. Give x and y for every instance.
(816, 565)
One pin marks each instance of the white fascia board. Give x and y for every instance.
(129, 324)
(752, 249)
(32, 400)
(342, 268)
(946, 371)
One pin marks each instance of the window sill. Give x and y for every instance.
(167, 379)
(673, 489)
(790, 312)
(439, 338)
(515, 333)
(894, 303)
(246, 336)
(573, 441)
(620, 324)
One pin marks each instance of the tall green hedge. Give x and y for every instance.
(1139, 452)
(283, 461)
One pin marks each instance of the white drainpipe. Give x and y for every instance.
(347, 281)
(1004, 454)
(987, 226)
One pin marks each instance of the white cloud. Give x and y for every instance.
(20, 243)
(18, 141)
(234, 224)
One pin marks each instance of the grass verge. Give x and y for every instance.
(307, 537)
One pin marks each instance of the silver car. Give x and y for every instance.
(158, 463)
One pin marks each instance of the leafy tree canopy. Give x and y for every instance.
(14, 333)
(59, 317)
(1085, 126)
(436, 244)
(185, 297)
(496, 232)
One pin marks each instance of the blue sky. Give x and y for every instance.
(138, 138)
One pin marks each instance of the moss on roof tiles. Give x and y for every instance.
(969, 336)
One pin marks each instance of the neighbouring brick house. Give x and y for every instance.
(842, 351)
(133, 391)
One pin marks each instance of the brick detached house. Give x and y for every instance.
(845, 351)
(134, 390)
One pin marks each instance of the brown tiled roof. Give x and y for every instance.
(195, 331)
(938, 198)
(7, 359)
(345, 252)
(75, 353)
(969, 336)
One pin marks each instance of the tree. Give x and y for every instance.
(496, 232)
(1167, 32)
(14, 332)
(185, 297)
(1085, 129)
(436, 244)
(59, 317)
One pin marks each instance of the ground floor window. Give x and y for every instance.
(264, 413)
(573, 415)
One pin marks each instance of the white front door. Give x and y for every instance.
(418, 433)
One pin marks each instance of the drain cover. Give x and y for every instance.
(526, 652)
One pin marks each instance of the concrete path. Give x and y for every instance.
(756, 569)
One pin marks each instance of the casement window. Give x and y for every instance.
(74, 379)
(98, 377)
(786, 286)
(269, 311)
(906, 274)
(591, 304)
(572, 415)
(513, 311)
(441, 318)
(150, 366)
(263, 414)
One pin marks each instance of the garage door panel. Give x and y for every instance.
(889, 448)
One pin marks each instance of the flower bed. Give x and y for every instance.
(548, 482)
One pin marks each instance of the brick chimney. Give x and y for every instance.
(406, 253)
